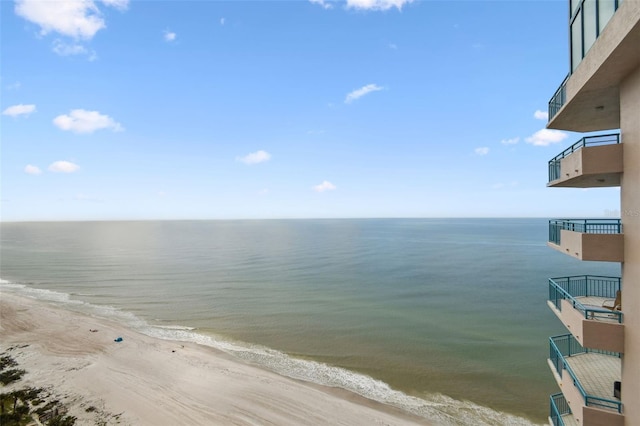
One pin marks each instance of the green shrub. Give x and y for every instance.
(62, 421)
(11, 376)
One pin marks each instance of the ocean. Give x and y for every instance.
(445, 318)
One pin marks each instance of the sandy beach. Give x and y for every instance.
(147, 381)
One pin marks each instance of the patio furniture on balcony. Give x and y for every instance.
(586, 377)
(577, 301)
(615, 304)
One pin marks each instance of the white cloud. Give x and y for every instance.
(541, 115)
(32, 170)
(377, 4)
(324, 186)
(483, 150)
(80, 19)
(511, 141)
(358, 93)
(14, 86)
(118, 4)
(63, 167)
(169, 36)
(68, 49)
(255, 157)
(20, 109)
(64, 49)
(546, 137)
(325, 4)
(222, 21)
(83, 121)
(393, 46)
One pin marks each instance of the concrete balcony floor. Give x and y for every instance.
(569, 420)
(590, 301)
(596, 373)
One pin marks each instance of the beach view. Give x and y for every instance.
(284, 212)
(441, 319)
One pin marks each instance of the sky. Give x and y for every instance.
(134, 110)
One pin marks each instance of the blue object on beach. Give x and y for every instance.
(119, 339)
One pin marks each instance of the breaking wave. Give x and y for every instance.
(436, 408)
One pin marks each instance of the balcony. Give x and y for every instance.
(587, 377)
(578, 302)
(588, 239)
(589, 99)
(559, 412)
(593, 161)
(558, 99)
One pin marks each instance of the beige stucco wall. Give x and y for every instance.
(597, 247)
(583, 415)
(603, 55)
(590, 333)
(597, 417)
(630, 213)
(585, 167)
(573, 396)
(593, 90)
(604, 93)
(602, 159)
(603, 335)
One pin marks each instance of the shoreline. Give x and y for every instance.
(145, 380)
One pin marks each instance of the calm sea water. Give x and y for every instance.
(439, 316)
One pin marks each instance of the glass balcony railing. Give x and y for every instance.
(558, 99)
(565, 350)
(587, 226)
(587, 294)
(554, 163)
(558, 407)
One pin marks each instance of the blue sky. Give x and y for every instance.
(283, 109)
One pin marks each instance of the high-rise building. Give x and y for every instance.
(597, 362)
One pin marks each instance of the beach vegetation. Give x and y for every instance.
(62, 421)
(11, 376)
(19, 408)
(22, 407)
(7, 361)
(14, 410)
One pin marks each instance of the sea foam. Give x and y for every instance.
(437, 408)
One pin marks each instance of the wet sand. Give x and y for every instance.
(146, 381)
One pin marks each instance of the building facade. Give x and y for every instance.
(597, 362)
